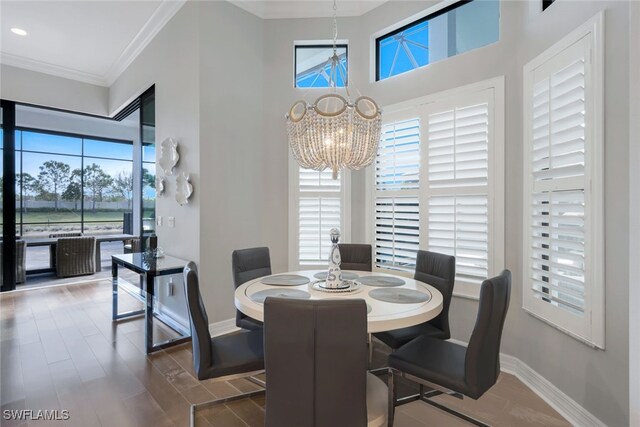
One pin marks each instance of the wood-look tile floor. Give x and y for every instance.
(60, 350)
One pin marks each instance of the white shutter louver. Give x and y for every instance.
(558, 209)
(398, 160)
(397, 215)
(397, 234)
(558, 255)
(459, 147)
(458, 226)
(319, 210)
(458, 211)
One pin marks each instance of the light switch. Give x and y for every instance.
(159, 221)
(171, 221)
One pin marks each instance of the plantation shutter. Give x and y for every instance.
(563, 274)
(458, 212)
(397, 216)
(319, 210)
(557, 223)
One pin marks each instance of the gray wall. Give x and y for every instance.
(634, 217)
(171, 61)
(232, 146)
(17, 84)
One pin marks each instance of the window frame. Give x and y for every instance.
(418, 108)
(315, 44)
(591, 330)
(294, 210)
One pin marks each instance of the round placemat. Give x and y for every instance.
(260, 296)
(400, 296)
(381, 281)
(346, 275)
(285, 280)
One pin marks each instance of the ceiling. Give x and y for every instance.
(277, 9)
(89, 41)
(95, 41)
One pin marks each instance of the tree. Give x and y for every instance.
(96, 181)
(28, 185)
(53, 177)
(123, 186)
(73, 191)
(148, 179)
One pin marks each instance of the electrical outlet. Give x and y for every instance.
(171, 221)
(159, 221)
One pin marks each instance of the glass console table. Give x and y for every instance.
(148, 268)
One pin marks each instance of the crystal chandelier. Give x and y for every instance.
(334, 132)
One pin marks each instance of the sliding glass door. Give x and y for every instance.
(7, 216)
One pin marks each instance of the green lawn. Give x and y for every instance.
(64, 216)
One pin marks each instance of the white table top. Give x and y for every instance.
(384, 316)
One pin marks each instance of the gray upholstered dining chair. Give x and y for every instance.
(316, 365)
(355, 256)
(454, 369)
(249, 264)
(75, 256)
(439, 271)
(238, 355)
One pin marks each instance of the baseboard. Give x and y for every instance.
(556, 398)
(223, 327)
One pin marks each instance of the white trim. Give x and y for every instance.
(571, 410)
(51, 69)
(223, 327)
(591, 328)
(160, 17)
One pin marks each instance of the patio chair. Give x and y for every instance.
(21, 261)
(52, 248)
(76, 256)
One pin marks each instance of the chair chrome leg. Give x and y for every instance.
(392, 393)
(221, 401)
(370, 351)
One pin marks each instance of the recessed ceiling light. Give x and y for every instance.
(19, 31)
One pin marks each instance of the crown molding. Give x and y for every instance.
(51, 69)
(165, 11)
(159, 18)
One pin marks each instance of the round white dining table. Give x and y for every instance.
(383, 316)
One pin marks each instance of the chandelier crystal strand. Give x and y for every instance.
(334, 132)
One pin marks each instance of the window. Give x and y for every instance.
(563, 187)
(396, 215)
(319, 203)
(71, 183)
(313, 66)
(442, 33)
(439, 183)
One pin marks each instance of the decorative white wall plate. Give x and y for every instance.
(160, 185)
(169, 155)
(184, 189)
